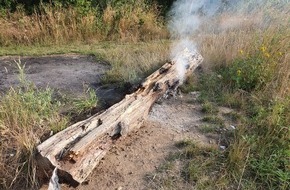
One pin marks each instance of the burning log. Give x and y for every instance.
(77, 150)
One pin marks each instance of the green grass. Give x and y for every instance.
(208, 128)
(27, 116)
(189, 85)
(209, 108)
(233, 116)
(247, 70)
(214, 120)
(193, 166)
(256, 84)
(86, 103)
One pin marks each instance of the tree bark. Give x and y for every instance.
(77, 150)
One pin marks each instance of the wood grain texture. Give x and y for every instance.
(78, 149)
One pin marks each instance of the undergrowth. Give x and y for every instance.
(246, 69)
(28, 115)
(257, 84)
(194, 166)
(82, 21)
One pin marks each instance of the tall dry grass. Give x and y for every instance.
(49, 24)
(25, 116)
(133, 62)
(28, 116)
(229, 37)
(247, 63)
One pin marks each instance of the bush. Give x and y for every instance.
(252, 71)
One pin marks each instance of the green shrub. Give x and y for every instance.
(256, 68)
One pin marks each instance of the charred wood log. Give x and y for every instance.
(77, 150)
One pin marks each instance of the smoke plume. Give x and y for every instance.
(185, 18)
(190, 18)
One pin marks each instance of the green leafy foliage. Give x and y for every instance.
(259, 152)
(252, 71)
(87, 103)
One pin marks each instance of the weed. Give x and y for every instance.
(210, 87)
(208, 107)
(254, 83)
(233, 116)
(214, 120)
(208, 128)
(183, 143)
(187, 168)
(27, 115)
(272, 142)
(87, 103)
(252, 76)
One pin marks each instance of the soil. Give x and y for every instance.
(66, 74)
(134, 158)
(139, 155)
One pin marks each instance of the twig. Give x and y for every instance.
(240, 181)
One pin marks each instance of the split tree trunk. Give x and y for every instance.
(76, 150)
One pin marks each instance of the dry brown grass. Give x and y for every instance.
(58, 25)
(229, 37)
(133, 62)
(25, 115)
(242, 53)
(50, 26)
(133, 22)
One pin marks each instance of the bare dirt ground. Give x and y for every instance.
(138, 156)
(66, 74)
(134, 158)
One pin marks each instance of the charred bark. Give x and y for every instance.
(78, 149)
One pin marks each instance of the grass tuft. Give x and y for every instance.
(209, 108)
(89, 102)
(27, 117)
(214, 120)
(208, 128)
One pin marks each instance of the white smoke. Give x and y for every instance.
(53, 182)
(190, 18)
(181, 62)
(185, 18)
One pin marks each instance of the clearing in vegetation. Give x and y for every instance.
(246, 72)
